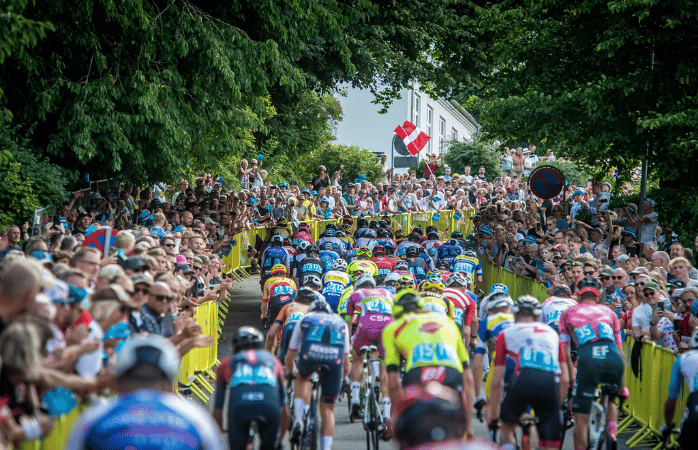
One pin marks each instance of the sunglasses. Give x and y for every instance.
(137, 290)
(648, 294)
(591, 274)
(163, 298)
(168, 245)
(602, 278)
(614, 277)
(640, 284)
(196, 267)
(576, 264)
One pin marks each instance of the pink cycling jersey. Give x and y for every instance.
(375, 310)
(588, 322)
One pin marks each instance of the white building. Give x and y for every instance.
(363, 125)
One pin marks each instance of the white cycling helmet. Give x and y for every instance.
(694, 340)
(365, 278)
(460, 278)
(527, 302)
(153, 350)
(497, 299)
(339, 264)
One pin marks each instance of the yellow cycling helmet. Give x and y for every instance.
(364, 251)
(276, 268)
(406, 282)
(431, 283)
(406, 301)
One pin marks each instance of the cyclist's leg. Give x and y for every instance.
(330, 385)
(361, 339)
(583, 392)
(513, 406)
(614, 369)
(268, 431)
(302, 389)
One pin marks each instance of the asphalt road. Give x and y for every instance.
(244, 310)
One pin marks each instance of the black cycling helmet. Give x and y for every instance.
(442, 264)
(382, 233)
(382, 224)
(378, 249)
(276, 240)
(373, 225)
(312, 248)
(412, 251)
(370, 234)
(305, 295)
(362, 223)
(320, 305)
(413, 237)
(452, 241)
(433, 235)
(340, 234)
(247, 338)
(457, 235)
(331, 226)
(431, 228)
(588, 285)
(418, 230)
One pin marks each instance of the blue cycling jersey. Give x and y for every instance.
(147, 420)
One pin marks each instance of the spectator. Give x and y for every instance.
(386, 171)
(431, 166)
(12, 243)
(321, 180)
(157, 318)
(649, 221)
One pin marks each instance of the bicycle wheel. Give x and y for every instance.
(315, 432)
(604, 441)
(254, 440)
(371, 423)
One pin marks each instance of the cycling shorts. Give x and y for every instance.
(598, 362)
(275, 305)
(448, 376)
(540, 390)
(253, 402)
(689, 424)
(369, 332)
(330, 379)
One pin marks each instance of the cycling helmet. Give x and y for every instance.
(527, 302)
(373, 225)
(340, 234)
(442, 264)
(418, 230)
(588, 285)
(326, 245)
(457, 235)
(406, 282)
(693, 343)
(412, 251)
(430, 284)
(346, 227)
(382, 233)
(433, 236)
(312, 249)
(497, 299)
(499, 287)
(276, 240)
(305, 295)
(470, 252)
(562, 291)
(303, 227)
(364, 278)
(459, 279)
(392, 279)
(287, 241)
(320, 305)
(432, 229)
(389, 247)
(402, 265)
(362, 223)
(331, 226)
(339, 264)
(363, 251)
(370, 234)
(247, 338)
(277, 268)
(152, 349)
(413, 237)
(400, 235)
(451, 242)
(303, 246)
(430, 412)
(383, 223)
(282, 223)
(435, 275)
(378, 249)
(311, 280)
(407, 300)
(329, 232)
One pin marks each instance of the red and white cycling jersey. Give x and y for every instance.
(552, 310)
(589, 322)
(464, 306)
(531, 345)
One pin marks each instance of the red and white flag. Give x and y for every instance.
(414, 138)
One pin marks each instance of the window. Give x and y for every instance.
(430, 126)
(417, 108)
(454, 134)
(442, 134)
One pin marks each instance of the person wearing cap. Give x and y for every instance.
(145, 369)
(609, 294)
(157, 318)
(578, 199)
(599, 205)
(643, 314)
(649, 221)
(83, 327)
(350, 199)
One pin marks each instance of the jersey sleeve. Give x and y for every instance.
(469, 314)
(294, 343)
(222, 381)
(347, 342)
(676, 381)
(283, 315)
(482, 331)
(392, 356)
(500, 350)
(616, 332)
(266, 294)
(351, 305)
(561, 356)
(479, 269)
(562, 329)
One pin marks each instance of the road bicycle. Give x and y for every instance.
(254, 440)
(310, 434)
(599, 438)
(370, 399)
(529, 432)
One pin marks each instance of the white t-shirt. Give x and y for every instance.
(384, 169)
(90, 364)
(468, 178)
(648, 229)
(642, 316)
(529, 162)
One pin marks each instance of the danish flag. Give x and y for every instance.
(414, 138)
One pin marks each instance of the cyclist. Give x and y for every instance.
(278, 290)
(330, 235)
(362, 264)
(458, 236)
(145, 413)
(272, 255)
(385, 240)
(368, 239)
(385, 265)
(253, 381)
(348, 241)
(433, 242)
(685, 368)
(539, 378)
(464, 303)
(448, 252)
(373, 308)
(303, 234)
(595, 330)
(555, 305)
(470, 264)
(416, 263)
(497, 307)
(320, 339)
(411, 240)
(328, 255)
(432, 289)
(432, 347)
(310, 265)
(335, 283)
(290, 314)
(443, 267)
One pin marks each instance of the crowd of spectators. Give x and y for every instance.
(65, 308)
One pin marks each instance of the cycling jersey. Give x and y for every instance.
(464, 306)
(287, 318)
(685, 368)
(334, 283)
(374, 308)
(366, 242)
(328, 257)
(385, 266)
(388, 243)
(432, 246)
(552, 310)
(344, 300)
(277, 292)
(424, 340)
(272, 256)
(436, 303)
(310, 266)
(145, 419)
(585, 323)
(401, 248)
(467, 264)
(489, 329)
(530, 345)
(337, 245)
(448, 252)
(301, 236)
(418, 268)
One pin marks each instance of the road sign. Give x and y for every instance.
(546, 182)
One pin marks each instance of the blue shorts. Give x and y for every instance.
(331, 377)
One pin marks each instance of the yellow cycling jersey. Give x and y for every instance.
(278, 287)
(436, 303)
(363, 265)
(424, 339)
(344, 300)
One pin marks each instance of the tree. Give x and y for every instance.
(357, 162)
(474, 153)
(610, 83)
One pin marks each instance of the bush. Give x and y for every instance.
(357, 161)
(474, 153)
(573, 172)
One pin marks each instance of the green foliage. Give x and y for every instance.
(573, 171)
(356, 160)
(27, 182)
(474, 153)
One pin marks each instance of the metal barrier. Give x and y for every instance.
(648, 388)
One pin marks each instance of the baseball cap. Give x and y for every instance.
(631, 231)
(153, 350)
(113, 292)
(651, 286)
(606, 272)
(578, 192)
(76, 294)
(139, 278)
(133, 263)
(486, 229)
(649, 201)
(185, 269)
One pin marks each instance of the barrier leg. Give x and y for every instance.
(638, 437)
(203, 383)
